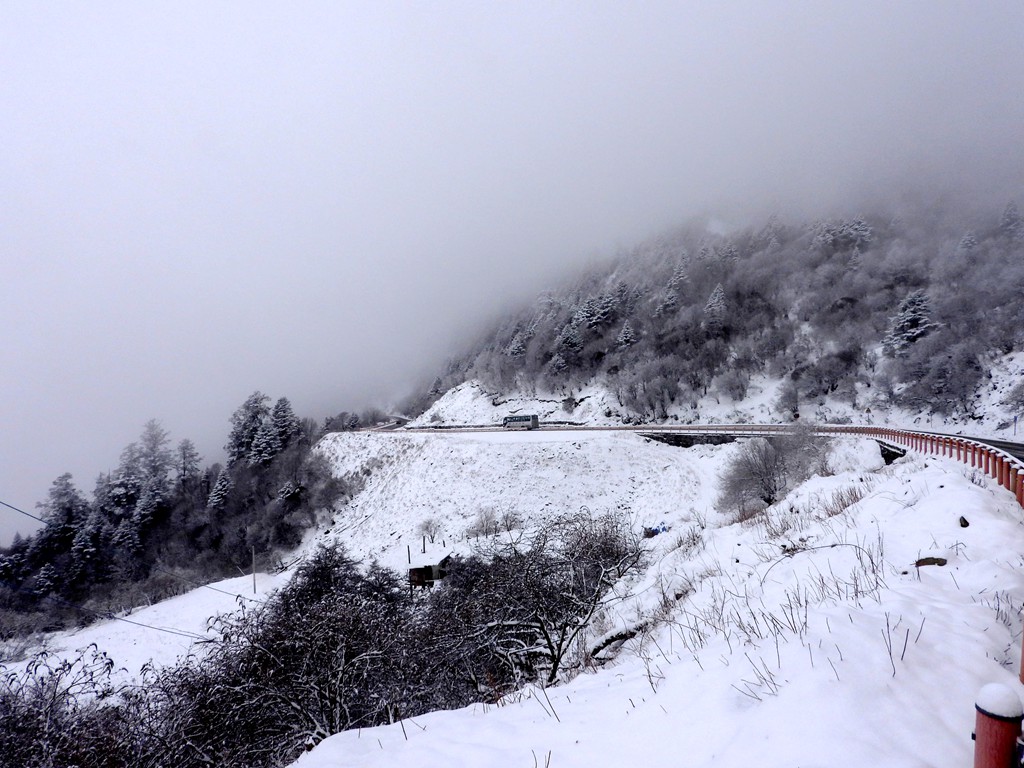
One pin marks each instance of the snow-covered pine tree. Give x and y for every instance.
(126, 485)
(245, 423)
(729, 254)
(47, 579)
(557, 365)
(585, 314)
(85, 563)
(911, 322)
(715, 311)
(626, 337)
(285, 422)
(186, 462)
(606, 310)
(568, 341)
(967, 243)
(266, 445)
(517, 347)
(668, 305)
(221, 490)
(679, 277)
(149, 501)
(155, 457)
(127, 543)
(64, 505)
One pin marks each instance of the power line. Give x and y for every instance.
(22, 511)
(205, 586)
(108, 616)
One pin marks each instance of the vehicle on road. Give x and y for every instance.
(529, 421)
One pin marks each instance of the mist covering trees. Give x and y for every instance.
(874, 310)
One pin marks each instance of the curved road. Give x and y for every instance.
(1003, 460)
(1015, 449)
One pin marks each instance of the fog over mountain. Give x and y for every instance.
(325, 200)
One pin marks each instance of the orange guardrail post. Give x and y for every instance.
(997, 726)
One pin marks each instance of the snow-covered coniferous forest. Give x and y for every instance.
(910, 313)
(596, 596)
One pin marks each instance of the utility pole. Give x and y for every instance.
(254, 570)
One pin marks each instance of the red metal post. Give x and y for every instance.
(997, 726)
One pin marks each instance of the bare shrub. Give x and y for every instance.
(841, 500)
(755, 477)
(517, 611)
(430, 528)
(490, 522)
(975, 477)
(1014, 400)
(777, 523)
(60, 713)
(689, 541)
(484, 524)
(510, 520)
(763, 470)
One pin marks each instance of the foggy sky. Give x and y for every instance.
(323, 200)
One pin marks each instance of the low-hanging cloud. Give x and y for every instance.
(323, 200)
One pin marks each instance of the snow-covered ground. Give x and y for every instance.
(455, 479)
(160, 633)
(807, 637)
(804, 637)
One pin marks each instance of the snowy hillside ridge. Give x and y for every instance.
(471, 403)
(453, 480)
(803, 633)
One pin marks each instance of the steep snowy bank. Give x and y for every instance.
(802, 637)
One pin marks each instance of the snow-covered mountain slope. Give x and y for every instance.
(802, 637)
(455, 479)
